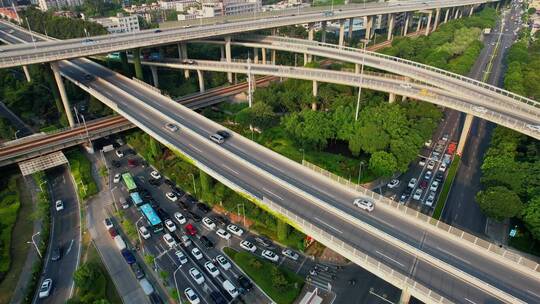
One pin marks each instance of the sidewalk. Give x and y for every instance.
(32, 257)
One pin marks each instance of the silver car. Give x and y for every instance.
(364, 204)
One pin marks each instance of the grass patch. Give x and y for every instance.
(282, 285)
(49, 128)
(452, 171)
(19, 248)
(81, 169)
(9, 206)
(110, 292)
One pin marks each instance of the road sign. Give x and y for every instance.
(513, 232)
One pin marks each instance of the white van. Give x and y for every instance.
(119, 243)
(229, 287)
(146, 287)
(217, 138)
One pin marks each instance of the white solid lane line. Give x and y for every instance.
(231, 169)
(470, 301)
(453, 255)
(391, 259)
(273, 193)
(326, 224)
(195, 148)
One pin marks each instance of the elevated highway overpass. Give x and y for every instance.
(40, 52)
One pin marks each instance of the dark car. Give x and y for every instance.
(245, 283)
(56, 253)
(194, 216)
(183, 205)
(162, 214)
(217, 298)
(203, 207)
(439, 176)
(129, 151)
(188, 199)
(155, 299)
(206, 242)
(224, 134)
(407, 191)
(139, 273)
(128, 256)
(116, 164)
(264, 242)
(88, 77)
(423, 184)
(157, 31)
(218, 219)
(168, 182)
(154, 182)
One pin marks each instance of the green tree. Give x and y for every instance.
(310, 128)
(260, 115)
(531, 217)
(279, 281)
(85, 276)
(282, 230)
(499, 202)
(206, 186)
(383, 163)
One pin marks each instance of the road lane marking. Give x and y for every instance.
(229, 168)
(195, 148)
(453, 255)
(272, 193)
(301, 264)
(69, 248)
(531, 292)
(329, 226)
(391, 259)
(470, 301)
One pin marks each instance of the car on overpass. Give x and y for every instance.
(364, 204)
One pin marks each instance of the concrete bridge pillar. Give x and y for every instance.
(27, 73)
(446, 15)
(436, 21)
(428, 23)
(460, 13)
(406, 26)
(315, 93)
(357, 68)
(125, 63)
(471, 11)
(274, 32)
(369, 26)
(155, 76)
(183, 55)
(256, 55)
(311, 34)
(419, 25)
(137, 64)
(457, 13)
(201, 80)
(263, 55)
(391, 97)
(222, 51)
(391, 18)
(273, 57)
(341, 32)
(323, 32)
(405, 297)
(349, 36)
(63, 95)
(228, 56)
(464, 133)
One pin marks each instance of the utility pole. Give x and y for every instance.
(365, 41)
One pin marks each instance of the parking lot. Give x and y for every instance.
(154, 189)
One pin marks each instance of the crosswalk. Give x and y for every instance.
(322, 277)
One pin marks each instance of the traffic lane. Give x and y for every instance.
(217, 156)
(65, 235)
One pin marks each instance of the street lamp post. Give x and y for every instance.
(303, 155)
(35, 245)
(365, 41)
(16, 133)
(31, 33)
(194, 188)
(40, 187)
(360, 171)
(244, 212)
(250, 94)
(176, 283)
(139, 235)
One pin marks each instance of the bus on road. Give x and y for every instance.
(130, 183)
(136, 198)
(153, 220)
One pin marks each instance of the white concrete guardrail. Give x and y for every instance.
(368, 228)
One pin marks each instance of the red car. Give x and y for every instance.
(113, 232)
(423, 184)
(132, 163)
(191, 230)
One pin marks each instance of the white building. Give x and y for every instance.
(178, 5)
(119, 24)
(46, 5)
(213, 8)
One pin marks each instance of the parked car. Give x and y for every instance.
(128, 256)
(223, 234)
(442, 167)
(424, 184)
(170, 196)
(116, 178)
(428, 174)
(235, 230)
(290, 254)
(208, 223)
(132, 163)
(181, 257)
(434, 186)
(197, 254)
(222, 261)
(139, 273)
(412, 183)
(248, 246)
(206, 242)
(364, 204)
(155, 175)
(179, 218)
(194, 216)
(59, 205)
(169, 240)
(439, 177)
(196, 275)
(430, 199)
(145, 234)
(119, 153)
(230, 288)
(422, 162)
(393, 183)
(108, 223)
(245, 283)
(45, 288)
(170, 225)
(270, 255)
(204, 208)
(112, 232)
(186, 241)
(211, 269)
(264, 242)
(430, 165)
(417, 194)
(190, 229)
(191, 296)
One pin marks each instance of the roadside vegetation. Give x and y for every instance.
(280, 284)
(81, 169)
(9, 207)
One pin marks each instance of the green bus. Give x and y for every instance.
(130, 183)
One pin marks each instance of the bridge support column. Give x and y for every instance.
(356, 68)
(201, 81)
(323, 32)
(436, 21)
(391, 18)
(311, 34)
(446, 15)
(155, 76)
(341, 32)
(125, 63)
(471, 11)
(263, 55)
(419, 25)
(464, 133)
(351, 26)
(405, 297)
(27, 73)
(428, 23)
(460, 13)
(256, 55)
(369, 25)
(391, 97)
(182, 54)
(63, 95)
(273, 57)
(315, 93)
(457, 13)
(222, 51)
(406, 26)
(228, 56)
(137, 64)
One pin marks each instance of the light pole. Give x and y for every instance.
(194, 188)
(365, 41)
(250, 94)
(139, 235)
(303, 154)
(35, 245)
(244, 212)
(31, 33)
(176, 283)
(16, 133)
(360, 171)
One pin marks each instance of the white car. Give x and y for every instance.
(405, 85)
(45, 289)
(144, 232)
(442, 167)
(428, 174)
(422, 162)
(235, 230)
(417, 194)
(479, 109)
(108, 223)
(59, 205)
(196, 275)
(533, 127)
(180, 218)
(169, 240)
(393, 183)
(116, 178)
(171, 127)
(248, 246)
(211, 269)
(223, 234)
(208, 223)
(430, 165)
(170, 225)
(191, 296)
(430, 199)
(155, 175)
(364, 204)
(186, 240)
(171, 196)
(290, 254)
(434, 186)
(181, 257)
(119, 153)
(222, 261)
(196, 253)
(270, 255)
(412, 183)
